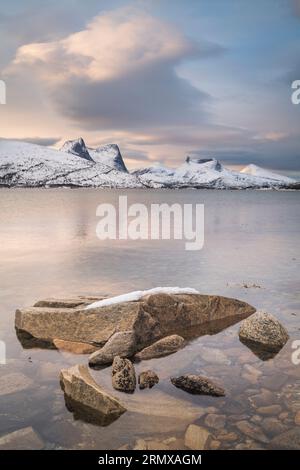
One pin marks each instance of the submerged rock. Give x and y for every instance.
(198, 385)
(252, 431)
(197, 437)
(214, 356)
(162, 347)
(13, 383)
(74, 347)
(22, 439)
(273, 427)
(148, 379)
(263, 334)
(289, 440)
(123, 375)
(86, 399)
(121, 344)
(152, 317)
(215, 421)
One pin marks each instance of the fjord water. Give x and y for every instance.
(49, 248)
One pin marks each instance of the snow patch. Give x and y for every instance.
(138, 294)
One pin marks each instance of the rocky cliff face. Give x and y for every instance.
(76, 147)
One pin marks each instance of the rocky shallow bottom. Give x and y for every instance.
(261, 409)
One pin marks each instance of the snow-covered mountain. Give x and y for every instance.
(76, 147)
(255, 170)
(210, 173)
(28, 165)
(109, 155)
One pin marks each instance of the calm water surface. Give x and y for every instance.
(49, 248)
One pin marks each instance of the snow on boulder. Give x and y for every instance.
(138, 294)
(76, 147)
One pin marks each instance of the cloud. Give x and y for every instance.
(296, 7)
(119, 72)
(46, 141)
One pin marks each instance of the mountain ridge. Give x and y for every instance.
(24, 164)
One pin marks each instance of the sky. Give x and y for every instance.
(161, 78)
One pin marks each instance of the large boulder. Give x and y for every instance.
(198, 385)
(123, 375)
(86, 399)
(152, 317)
(263, 334)
(162, 347)
(121, 344)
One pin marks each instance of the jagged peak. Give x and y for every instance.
(76, 147)
(109, 154)
(214, 164)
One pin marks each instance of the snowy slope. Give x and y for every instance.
(254, 170)
(24, 164)
(207, 173)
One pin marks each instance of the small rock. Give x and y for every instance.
(269, 410)
(289, 440)
(228, 437)
(74, 347)
(251, 374)
(197, 385)
(178, 444)
(125, 447)
(169, 440)
(156, 445)
(122, 344)
(123, 375)
(22, 439)
(197, 437)
(256, 419)
(275, 381)
(263, 333)
(252, 431)
(214, 444)
(273, 427)
(215, 421)
(163, 347)
(140, 444)
(297, 418)
(148, 379)
(264, 398)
